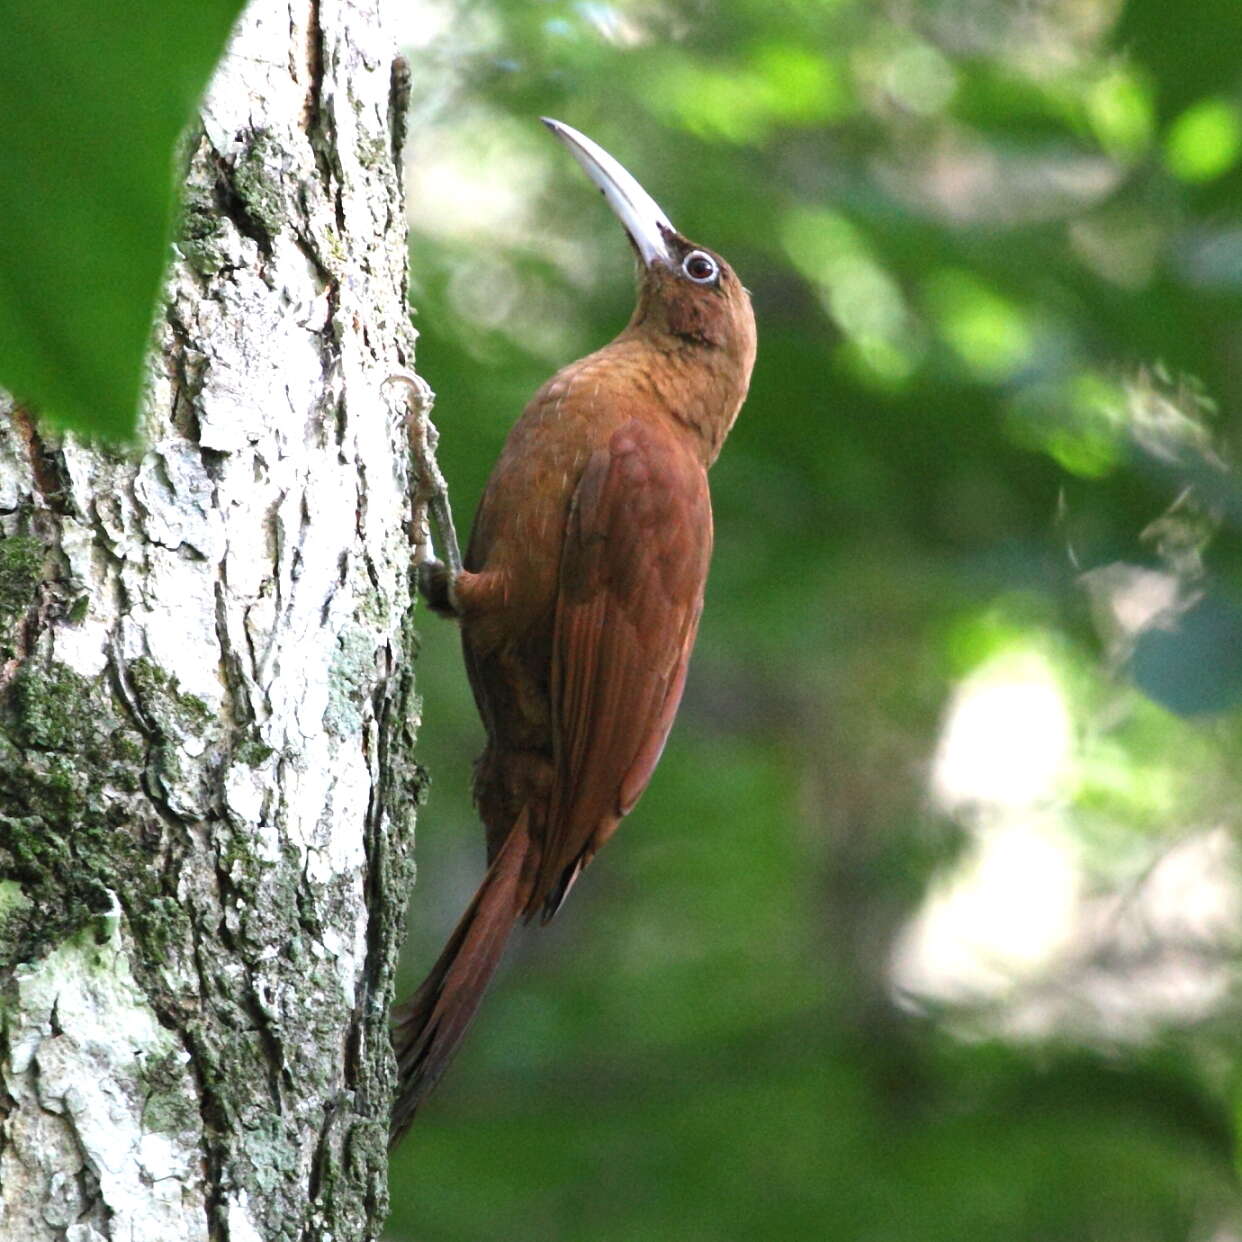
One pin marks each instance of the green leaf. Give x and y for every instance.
(92, 99)
(1205, 141)
(1121, 111)
(991, 334)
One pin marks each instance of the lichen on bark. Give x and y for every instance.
(21, 565)
(67, 776)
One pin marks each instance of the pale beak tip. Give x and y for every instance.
(646, 223)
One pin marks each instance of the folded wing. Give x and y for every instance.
(632, 574)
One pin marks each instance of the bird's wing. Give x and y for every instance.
(633, 567)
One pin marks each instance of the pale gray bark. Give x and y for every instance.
(206, 711)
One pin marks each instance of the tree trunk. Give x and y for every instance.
(206, 711)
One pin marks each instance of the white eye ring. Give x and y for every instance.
(708, 270)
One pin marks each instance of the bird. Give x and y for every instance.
(579, 598)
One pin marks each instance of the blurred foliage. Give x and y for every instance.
(91, 103)
(927, 927)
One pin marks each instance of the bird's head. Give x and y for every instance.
(688, 296)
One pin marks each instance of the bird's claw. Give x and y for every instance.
(430, 486)
(420, 399)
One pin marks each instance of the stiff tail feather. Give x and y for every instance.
(429, 1026)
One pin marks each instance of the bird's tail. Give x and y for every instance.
(428, 1027)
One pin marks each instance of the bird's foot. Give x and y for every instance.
(437, 585)
(430, 486)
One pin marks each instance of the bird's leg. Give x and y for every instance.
(436, 579)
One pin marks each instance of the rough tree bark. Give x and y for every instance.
(206, 713)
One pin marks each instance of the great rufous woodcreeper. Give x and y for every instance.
(580, 596)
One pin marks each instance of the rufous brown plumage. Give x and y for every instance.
(580, 598)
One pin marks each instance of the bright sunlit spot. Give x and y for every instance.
(1005, 754)
(1000, 917)
(472, 182)
(1008, 737)
(1026, 923)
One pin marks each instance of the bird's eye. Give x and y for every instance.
(700, 267)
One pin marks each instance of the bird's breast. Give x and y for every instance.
(520, 527)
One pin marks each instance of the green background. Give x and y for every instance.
(996, 259)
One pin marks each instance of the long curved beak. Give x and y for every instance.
(647, 225)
